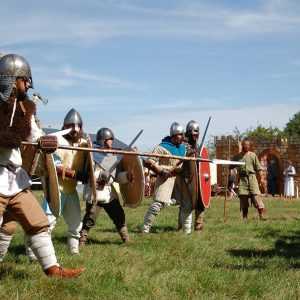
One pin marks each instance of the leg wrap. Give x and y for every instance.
(150, 215)
(28, 250)
(5, 240)
(43, 249)
(73, 244)
(186, 217)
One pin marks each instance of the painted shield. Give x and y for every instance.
(30, 158)
(204, 179)
(133, 192)
(50, 183)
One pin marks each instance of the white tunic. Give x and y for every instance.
(111, 189)
(289, 188)
(14, 181)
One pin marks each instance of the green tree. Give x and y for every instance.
(293, 126)
(261, 132)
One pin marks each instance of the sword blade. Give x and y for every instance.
(204, 135)
(114, 166)
(227, 162)
(60, 132)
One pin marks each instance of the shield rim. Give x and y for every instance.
(54, 191)
(204, 154)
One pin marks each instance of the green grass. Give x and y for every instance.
(232, 260)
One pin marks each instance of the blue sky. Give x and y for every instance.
(144, 64)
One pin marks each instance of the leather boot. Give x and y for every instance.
(262, 214)
(124, 234)
(199, 222)
(59, 272)
(83, 238)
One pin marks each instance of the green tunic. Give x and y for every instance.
(248, 184)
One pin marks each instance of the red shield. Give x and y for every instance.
(204, 178)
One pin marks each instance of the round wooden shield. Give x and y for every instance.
(50, 184)
(133, 192)
(204, 179)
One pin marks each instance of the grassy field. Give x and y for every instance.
(232, 260)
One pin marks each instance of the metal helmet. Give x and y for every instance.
(176, 128)
(12, 66)
(73, 117)
(104, 134)
(192, 127)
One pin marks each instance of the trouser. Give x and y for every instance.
(199, 216)
(255, 200)
(114, 210)
(153, 210)
(185, 216)
(70, 210)
(25, 209)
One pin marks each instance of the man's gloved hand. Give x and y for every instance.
(130, 176)
(165, 174)
(103, 179)
(191, 152)
(65, 172)
(48, 143)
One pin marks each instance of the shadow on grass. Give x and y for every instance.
(9, 271)
(285, 246)
(237, 267)
(157, 229)
(92, 241)
(15, 251)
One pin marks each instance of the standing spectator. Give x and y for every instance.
(231, 183)
(289, 187)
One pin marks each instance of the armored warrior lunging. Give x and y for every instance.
(107, 193)
(166, 170)
(17, 203)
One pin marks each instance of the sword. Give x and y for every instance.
(227, 162)
(115, 164)
(38, 97)
(60, 132)
(204, 135)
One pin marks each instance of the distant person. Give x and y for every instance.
(248, 183)
(272, 177)
(289, 186)
(231, 183)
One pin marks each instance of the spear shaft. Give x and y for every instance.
(125, 152)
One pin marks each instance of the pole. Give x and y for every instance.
(227, 181)
(126, 152)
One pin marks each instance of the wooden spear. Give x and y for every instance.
(125, 152)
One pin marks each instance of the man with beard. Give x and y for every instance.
(248, 183)
(70, 168)
(17, 114)
(166, 170)
(183, 181)
(107, 193)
